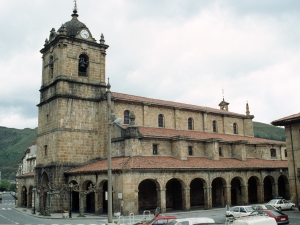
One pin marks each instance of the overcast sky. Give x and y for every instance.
(181, 50)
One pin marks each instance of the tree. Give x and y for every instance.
(4, 185)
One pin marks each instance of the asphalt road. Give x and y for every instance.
(9, 216)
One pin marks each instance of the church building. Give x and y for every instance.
(164, 154)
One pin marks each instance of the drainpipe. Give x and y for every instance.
(294, 164)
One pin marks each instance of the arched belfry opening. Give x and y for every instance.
(83, 65)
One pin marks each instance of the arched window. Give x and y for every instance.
(214, 125)
(160, 120)
(51, 66)
(190, 124)
(83, 65)
(235, 130)
(273, 153)
(126, 117)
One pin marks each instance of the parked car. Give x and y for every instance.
(261, 207)
(281, 204)
(239, 211)
(255, 220)
(158, 220)
(280, 217)
(192, 221)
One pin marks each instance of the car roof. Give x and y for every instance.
(197, 220)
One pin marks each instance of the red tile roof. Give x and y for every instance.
(295, 118)
(169, 133)
(171, 163)
(126, 97)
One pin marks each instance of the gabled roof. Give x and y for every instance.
(295, 118)
(172, 133)
(171, 163)
(139, 99)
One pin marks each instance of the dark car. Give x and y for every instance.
(280, 217)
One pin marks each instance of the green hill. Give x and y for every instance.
(263, 130)
(13, 144)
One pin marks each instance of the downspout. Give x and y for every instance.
(294, 164)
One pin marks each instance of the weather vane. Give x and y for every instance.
(75, 5)
(223, 93)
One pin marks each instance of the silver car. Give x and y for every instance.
(281, 204)
(239, 211)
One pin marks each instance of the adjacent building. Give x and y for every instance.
(292, 128)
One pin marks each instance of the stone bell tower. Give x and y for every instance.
(71, 116)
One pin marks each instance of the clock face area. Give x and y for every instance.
(84, 34)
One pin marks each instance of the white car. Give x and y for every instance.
(239, 211)
(191, 221)
(281, 204)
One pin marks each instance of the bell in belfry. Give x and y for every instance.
(82, 63)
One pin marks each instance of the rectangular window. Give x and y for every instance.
(220, 151)
(190, 150)
(45, 150)
(154, 149)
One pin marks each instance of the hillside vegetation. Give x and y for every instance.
(263, 130)
(14, 142)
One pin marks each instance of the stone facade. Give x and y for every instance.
(167, 154)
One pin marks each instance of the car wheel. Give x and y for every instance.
(292, 207)
(279, 208)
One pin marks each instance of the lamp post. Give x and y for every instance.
(109, 185)
(34, 190)
(109, 174)
(70, 210)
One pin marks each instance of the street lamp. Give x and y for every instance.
(70, 209)
(109, 175)
(34, 190)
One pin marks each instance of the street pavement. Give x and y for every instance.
(11, 215)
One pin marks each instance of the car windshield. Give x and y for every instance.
(249, 209)
(272, 202)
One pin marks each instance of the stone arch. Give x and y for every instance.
(83, 64)
(43, 197)
(218, 193)
(236, 190)
(268, 188)
(197, 196)
(174, 195)
(148, 195)
(89, 205)
(75, 196)
(29, 197)
(253, 189)
(283, 187)
(24, 196)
